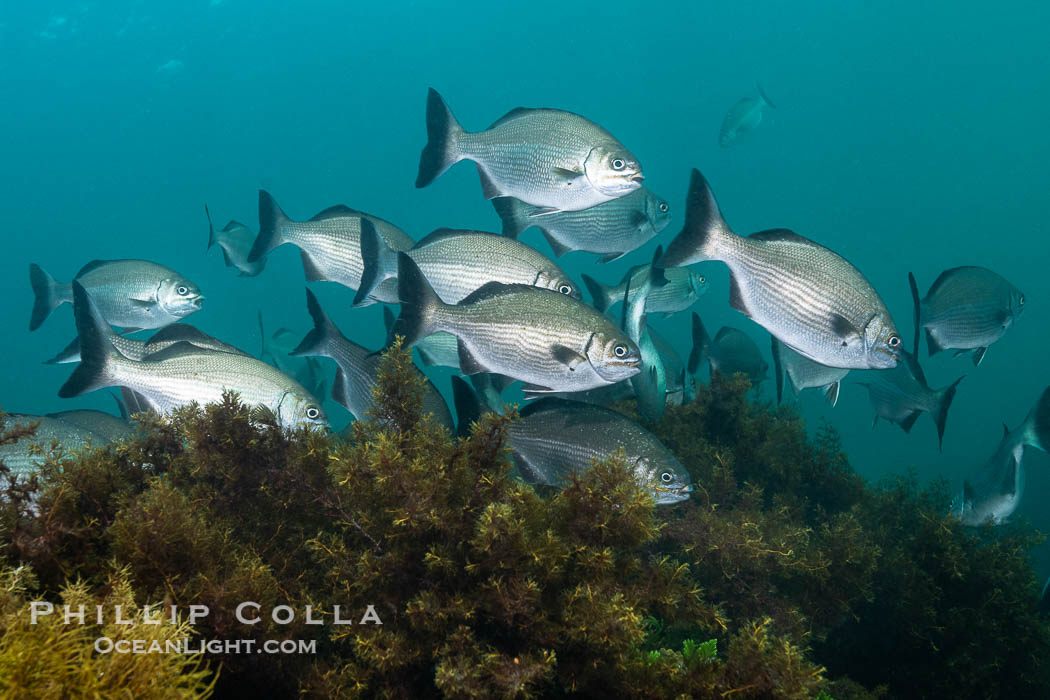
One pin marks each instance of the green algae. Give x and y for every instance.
(786, 575)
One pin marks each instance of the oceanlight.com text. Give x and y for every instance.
(107, 645)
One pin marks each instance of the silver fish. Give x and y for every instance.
(730, 352)
(681, 387)
(104, 425)
(456, 263)
(612, 229)
(967, 309)
(994, 492)
(650, 384)
(134, 349)
(683, 288)
(555, 160)
(438, 350)
(329, 243)
(69, 437)
(183, 373)
(546, 339)
(132, 294)
(901, 394)
(236, 240)
(554, 439)
(744, 117)
(809, 298)
(277, 351)
(804, 373)
(357, 376)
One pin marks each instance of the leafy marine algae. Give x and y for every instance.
(783, 562)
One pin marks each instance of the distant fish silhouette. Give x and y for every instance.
(745, 116)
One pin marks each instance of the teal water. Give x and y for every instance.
(904, 139)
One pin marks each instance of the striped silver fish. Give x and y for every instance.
(183, 373)
(69, 437)
(967, 309)
(357, 376)
(132, 294)
(804, 373)
(731, 351)
(743, 118)
(438, 350)
(555, 160)
(683, 288)
(235, 239)
(612, 229)
(456, 263)
(134, 349)
(811, 299)
(650, 384)
(994, 492)
(105, 425)
(901, 394)
(681, 387)
(546, 339)
(329, 243)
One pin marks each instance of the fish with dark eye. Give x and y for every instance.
(549, 158)
(329, 243)
(683, 288)
(901, 394)
(966, 310)
(808, 297)
(183, 373)
(457, 262)
(743, 118)
(555, 439)
(731, 351)
(803, 373)
(131, 294)
(611, 230)
(994, 492)
(546, 339)
(358, 373)
(235, 239)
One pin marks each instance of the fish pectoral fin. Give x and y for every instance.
(638, 219)
(567, 356)
(978, 355)
(845, 330)
(530, 390)
(566, 176)
(264, 414)
(610, 257)
(544, 211)
(141, 303)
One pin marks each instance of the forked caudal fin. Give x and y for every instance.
(704, 226)
(602, 296)
(944, 402)
(1038, 430)
(419, 303)
(441, 151)
(701, 343)
(514, 214)
(47, 295)
(380, 262)
(96, 348)
(271, 222)
(315, 344)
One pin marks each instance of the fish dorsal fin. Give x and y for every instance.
(180, 349)
(724, 331)
(93, 265)
(547, 403)
(945, 276)
(1006, 430)
(493, 289)
(233, 225)
(784, 235)
(180, 332)
(915, 367)
(443, 233)
(336, 212)
(517, 113)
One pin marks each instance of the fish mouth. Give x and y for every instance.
(198, 301)
(637, 177)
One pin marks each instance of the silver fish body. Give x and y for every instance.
(804, 373)
(546, 339)
(731, 351)
(329, 243)
(548, 158)
(683, 288)
(105, 425)
(681, 387)
(277, 350)
(69, 437)
(135, 349)
(438, 350)
(457, 262)
(650, 384)
(358, 373)
(901, 394)
(967, 309)
(611, 229)
(744, 117)
(811, 299)
(235, 239)
(132, 294)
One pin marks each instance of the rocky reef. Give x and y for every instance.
(785, 576)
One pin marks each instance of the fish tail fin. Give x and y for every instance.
(765, 97)
(701, 343)
(47, 295)
(1038, 433)
(96, 349)
(316, 341)
(778, 367)
(380, 262)
(915, 311)
(419, 303)
(212, 239)
(944, 402)
(602, 297)
(514, 214)
(271, 224)
(441, 151)
(468, 406)
(70, 353)
(704, 228)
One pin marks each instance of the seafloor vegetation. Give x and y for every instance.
(786, 575)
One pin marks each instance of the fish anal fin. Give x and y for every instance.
(736, 298)
(488, 188)
(311, 269)
(909, 421)
(978, 355)
(468, 364)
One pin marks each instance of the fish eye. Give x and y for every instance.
(701, 279)
(1020, 300)
(663, 207)
(182, 291)
(313, 413)
(894, 340)
(620, 351)
(565, 289)
(619, 164)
